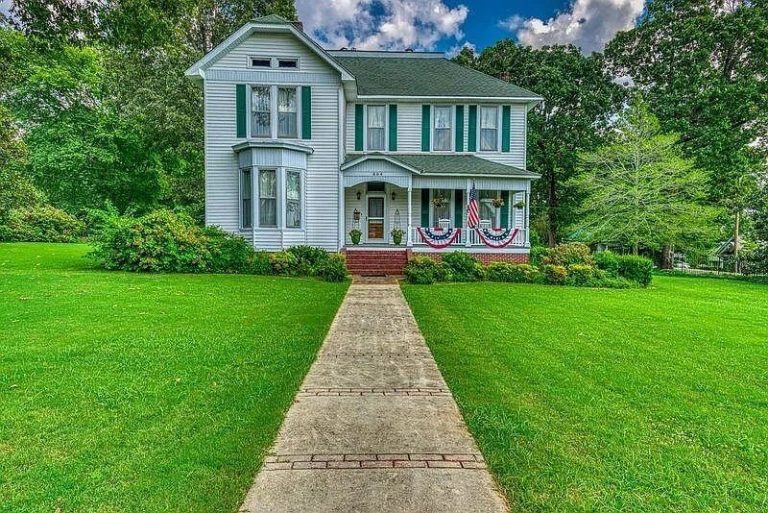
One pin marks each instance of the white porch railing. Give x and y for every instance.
(470, 238)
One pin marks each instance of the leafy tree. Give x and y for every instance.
(639, 189)
(702, 66)
(579, 97)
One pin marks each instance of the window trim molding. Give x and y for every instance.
(259, 170)
(274, 113)
(479, 146)
(302, 200)
(240, 171)
(274, 62)
(385, 106)
(452, 137)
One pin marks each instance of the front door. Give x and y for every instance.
(376, 218)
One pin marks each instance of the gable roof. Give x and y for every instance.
(442, 165)
(423, 75)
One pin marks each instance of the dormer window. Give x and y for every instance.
(288, 63)
(261, 62)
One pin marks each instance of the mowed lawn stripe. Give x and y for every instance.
(130, 392)
(606, 400)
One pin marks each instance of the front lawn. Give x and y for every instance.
(144, 393)
(611, 400)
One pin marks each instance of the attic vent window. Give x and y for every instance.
(288, 63)
(257, 62)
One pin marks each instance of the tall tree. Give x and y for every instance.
(639, 189)
(702, 65)
(579, 98)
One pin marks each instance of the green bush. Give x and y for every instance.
(332, 268)
(579, 275)
(463, 266)
(228, 253)
(606, 281)
(554, 274)
(284, 263)
(568, 254)
(259, 263)
(41, 223)
(608, 261)
(636, 268)
(160, 241)
(511, 273)
(308, 259)
(425, 271)
(537, 253)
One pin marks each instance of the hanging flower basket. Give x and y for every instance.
(497, 202)
(439, 201)
(520, 205)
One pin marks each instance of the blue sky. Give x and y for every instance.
(447, 25)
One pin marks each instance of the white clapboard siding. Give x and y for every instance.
(322, 173)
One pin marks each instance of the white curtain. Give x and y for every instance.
(489, 122)
(442, 128)
(376, 123)
(287, 112)
(261, 105)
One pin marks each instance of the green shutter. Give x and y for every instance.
(306, 112)
(240, 108)
(426, 129)
(472, 137)
(458, 212)
(506, 113)
(393, 128)
(425, 208)
(358, 127)
(460, 128)
(505, 209)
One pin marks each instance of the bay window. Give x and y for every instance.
(287, 113)
(292, 199)
(261, 108)
(489, 128)
(246, 213)
(268, 198)
(443, 123)
(376, 124)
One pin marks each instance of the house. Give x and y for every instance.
(307, 146)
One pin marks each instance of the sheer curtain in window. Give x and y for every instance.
(267, 198)
(442, 129)
(489, 124)
(376, 124)
(261, 108)
(293, 199)
(287, 110)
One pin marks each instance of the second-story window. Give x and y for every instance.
(261, 107)
(489, 129)
(376, 124)
(287, 112)
(443, 124)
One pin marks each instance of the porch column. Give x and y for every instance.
(409, 235)
(527, 220)
(467, 241)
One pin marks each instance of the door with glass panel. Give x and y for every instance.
(376, 218)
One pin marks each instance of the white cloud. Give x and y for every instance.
(455, 49)
(381, 24)
(589, 24)
(5, 7)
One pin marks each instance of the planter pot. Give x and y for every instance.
(397, 238)
(355, 236)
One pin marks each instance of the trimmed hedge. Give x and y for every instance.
(636, 268)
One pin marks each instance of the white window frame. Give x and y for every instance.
(451, 206)
(497, 220)
(302, 195)
(451, 138)
(278, 188)
(296, 59)
(273, 62)
(480, 128)
(241, 172)
(273, 92)
(386, 126)
(297, 90)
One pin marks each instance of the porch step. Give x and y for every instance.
(376, 263)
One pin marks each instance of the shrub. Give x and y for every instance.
(568, 254)
(463, 266)
(42, 223)
(537, 253)
(283, 263)
(159, 241)
(228, 253)
(636, 268)
(308, 259)
(333, 268)
(259, 263)
(554, 274)
(608, 261)
(425, 271)
(579, 275)
(606, 281)
(511, 273)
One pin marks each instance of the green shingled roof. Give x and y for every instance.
(448, 165)
(415, 75)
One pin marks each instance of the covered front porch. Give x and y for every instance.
(387, 205)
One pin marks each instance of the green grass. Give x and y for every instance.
(611, 400)
(144, 393)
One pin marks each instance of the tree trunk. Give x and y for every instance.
(667, 256)
(635, 249)
(552, 221)
(736, 228)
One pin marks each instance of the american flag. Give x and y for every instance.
(473, 208)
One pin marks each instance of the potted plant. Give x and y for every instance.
(397, 236)
(497, 202)
(439, 201)
(520, 205)
(355, 235)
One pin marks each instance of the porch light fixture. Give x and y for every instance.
(394, 195)
(358, 195)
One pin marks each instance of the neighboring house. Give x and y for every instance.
(303, 145)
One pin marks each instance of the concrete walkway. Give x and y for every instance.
(374, 427)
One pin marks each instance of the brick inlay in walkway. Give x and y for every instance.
(374, 427)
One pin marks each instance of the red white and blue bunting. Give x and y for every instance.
(439, 238)
(497, 239)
